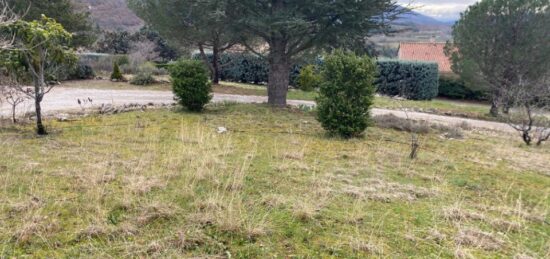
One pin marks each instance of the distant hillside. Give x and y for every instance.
(111, 15)
(422, 22)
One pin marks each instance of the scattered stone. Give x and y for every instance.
(222, 130)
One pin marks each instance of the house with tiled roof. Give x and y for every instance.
(426, 51)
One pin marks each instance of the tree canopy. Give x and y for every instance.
(192, 23)
(506, 42)
(292, 27)
(63, 11)
(41, 51)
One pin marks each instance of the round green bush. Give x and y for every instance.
(346, 94)
(191, 85)
(309, 79)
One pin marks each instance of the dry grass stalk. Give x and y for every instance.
(479, 239)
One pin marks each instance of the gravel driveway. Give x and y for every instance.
(63, 99)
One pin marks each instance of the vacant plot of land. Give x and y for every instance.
(165, 183)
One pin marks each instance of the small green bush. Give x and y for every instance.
(309, 79)
(191, 85)
(346, 94)
(409, 79)
(116, 75)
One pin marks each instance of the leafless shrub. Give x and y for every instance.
(7, 17)
(141, 53)
(530, 113)
(12, 93)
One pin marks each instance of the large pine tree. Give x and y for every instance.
(292, 27)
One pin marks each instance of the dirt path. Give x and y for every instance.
(62, 99)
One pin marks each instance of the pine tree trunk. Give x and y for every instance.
(279, 72)
(494, 108)
(215, 65)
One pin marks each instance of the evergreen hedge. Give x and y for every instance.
(409, 79)
(248, 68)
(455, 88)
(412, 80)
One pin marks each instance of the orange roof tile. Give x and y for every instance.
(425, 51)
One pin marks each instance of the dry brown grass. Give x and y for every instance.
(478, 239)
(142, 184)
(384, 191)
(155, 211)
(35, 227)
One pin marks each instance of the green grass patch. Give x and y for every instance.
(165, 184)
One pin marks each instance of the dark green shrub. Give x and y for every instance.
(346, 94)
(309, 79)
(116, 75)
(191, 85)
(247, 68)
(81, 72)
(409, 79)
(456, 89)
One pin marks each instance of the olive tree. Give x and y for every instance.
(41, 51)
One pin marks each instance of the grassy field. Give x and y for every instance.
(438, 106)
(165, 184)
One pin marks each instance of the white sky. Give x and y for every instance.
(442, 9)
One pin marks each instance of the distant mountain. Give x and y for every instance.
(111, 15)
(418, 19)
